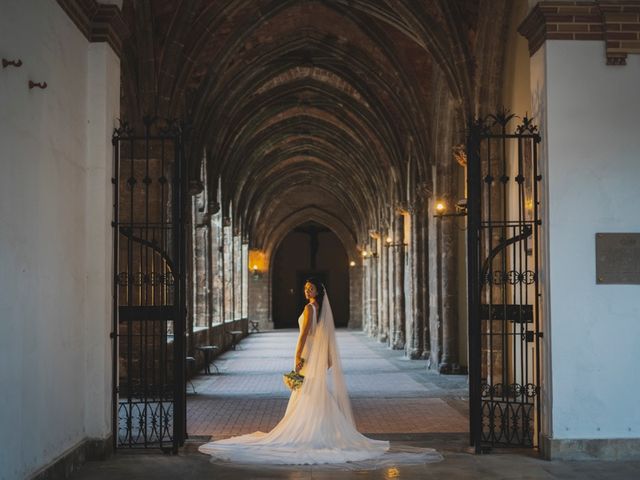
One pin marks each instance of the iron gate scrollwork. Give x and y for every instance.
(504, 293)
(149, 287)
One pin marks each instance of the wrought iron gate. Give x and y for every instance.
(504, 293)
(149, 288)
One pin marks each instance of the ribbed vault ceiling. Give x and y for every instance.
(321, 107)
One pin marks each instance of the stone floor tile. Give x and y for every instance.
(392, 397)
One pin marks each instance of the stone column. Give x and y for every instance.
(198, 254)
(373, 295)
(237, 272)
(423, 259)
(216, 264)
(449, 305)
(356, 319)
(414, 346)
(383, 333)
(432, 229)
(210, 273)
(398, 252)
(366, 317)
(225, 243)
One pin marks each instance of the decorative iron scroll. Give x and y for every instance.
(149, 286)
(504, 293)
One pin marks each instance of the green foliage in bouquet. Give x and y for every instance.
(293, 380)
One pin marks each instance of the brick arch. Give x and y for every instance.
(171, 40)
(433, 26)
(361, 176)
(191, 58)
(221, 38)
(373, 137)
(272, 238)
(389, 107)
(267, 202)
(293, 166)
(309, 135)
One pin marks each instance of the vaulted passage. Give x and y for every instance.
(317, 138)
(345, 116)
(173, 170)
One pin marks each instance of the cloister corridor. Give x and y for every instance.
(456, 179)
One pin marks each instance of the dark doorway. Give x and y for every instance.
(309, 250)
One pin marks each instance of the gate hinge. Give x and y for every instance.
(112, 335)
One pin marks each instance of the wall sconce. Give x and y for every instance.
(257, 274)
(257, 263)
(390, 243)
(368, 254)
(352, 263)
(461, 209)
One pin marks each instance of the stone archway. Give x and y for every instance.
(310, 249)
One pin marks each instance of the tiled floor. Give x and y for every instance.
(191, 465)
(389, 394)
(392, 398)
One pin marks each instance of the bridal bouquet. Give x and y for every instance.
(293, 380)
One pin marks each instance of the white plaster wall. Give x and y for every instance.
(53, 242)
(518, 97)
(103, 108)
(591, 144)
(538, 104)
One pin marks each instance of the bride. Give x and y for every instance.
(318, 425)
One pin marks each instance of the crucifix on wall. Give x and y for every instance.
(312, 231)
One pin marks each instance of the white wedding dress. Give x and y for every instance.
(318, 425)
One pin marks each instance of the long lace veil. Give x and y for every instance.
(324, 367)
(318, 426)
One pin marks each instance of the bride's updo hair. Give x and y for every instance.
(320, 288)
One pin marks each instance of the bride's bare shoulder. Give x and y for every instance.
(308, 310)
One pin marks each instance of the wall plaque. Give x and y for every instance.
(618, 258)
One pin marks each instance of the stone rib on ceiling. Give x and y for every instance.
(287, 93)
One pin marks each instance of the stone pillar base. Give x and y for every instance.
(415, 354)
(451, 369)
(590, 449)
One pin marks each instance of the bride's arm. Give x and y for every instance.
(302, 338)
